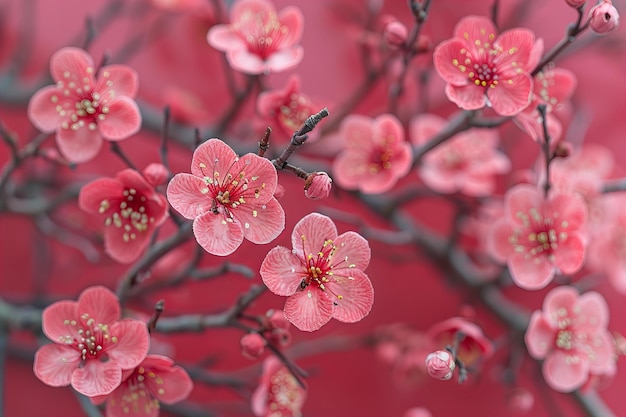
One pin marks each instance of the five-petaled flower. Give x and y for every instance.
(86, 105)
(279, 394)
(571, 334)
(228, 197)
(92, 346)
(156, 380)
(258, 40)
(484, 68)
(131, 208)
(322, 276)
(376, 154)
(539, 236)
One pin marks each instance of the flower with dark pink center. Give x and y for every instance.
(131, 210)
(538, 237)
(259, 40)
(228, 197)
(571, 335)
(279, 394)
(322, 276)
(484, 68)
(92, 346)
(375, 156)
(156, 380)
(86, 104)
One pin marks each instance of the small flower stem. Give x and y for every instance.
(299, 137)
(164, 137)
(572, 32)
(264, 143)
(117, 150)
(158, 309)
(495, 8)
(26, 152)
(545, 147)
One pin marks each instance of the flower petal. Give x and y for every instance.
(54, 364)
(498, 240)
(94, 193)
(79, 145)
(511, 96)
(477, 31)
(446, 58)
(133, 342)
(217, 235)
(593, 312)
(261, 224)
(170, 384)
(100, 304)
(309, 309)
(310, 233)
(42, 110)
(122, 120)
(117, 80)
(564, 372)
(97, 378)
(243, 61)
(282, 271)
(539, 336)
(126, 246)
(562, 298)
(517, 50)
(72, 64)
(424, 126)
(352, 295)
(352, 251)
(212, 156)
(292, 19)
(285, 58)
(59, 320)
(468, 97)
(530, 273)
(187, 194)
(520, 200)
(131, 400)
(569, 257)
(223, 38)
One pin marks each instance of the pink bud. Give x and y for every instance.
(277, 319)
(395, 34)
(604, 18)
(280, 337)
(575, 3)
(440, 365)
(521, 400)
(317, 186)
(280, 191)
(252, 345)
(155, 174)
(417, 412)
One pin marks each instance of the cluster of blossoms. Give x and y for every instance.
(105, 357)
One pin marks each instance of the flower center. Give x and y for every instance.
(539, 235)
(294, 112)
(89, 338)
(262, 32)
(285, 397)
(319, 267)
(131, 215)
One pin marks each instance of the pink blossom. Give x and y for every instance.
(553, 88)
(228, 197)
(92, 346)
(131, 210)
(156, 380)
(85, 105)
(317, 186)
(571, 335)
(156, 174)
(252, 345)
(287, 109)
(278, 394)
(467, 163)
(417, 412)
(472, 344)
(539, 237)
(484, 68)
(322, 276)
(603, 17)
(395, 34)
(376, 154)
(440, 365)
(259, 40)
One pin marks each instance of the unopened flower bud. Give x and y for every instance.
(279, 337)
(317, 186)
(521, 400)
(277, 319)
(395, 34)
(575, 3)
(563, 149)
(603, 18)
(280, 191)
(155, 174)
(440, 365)
(252, 345)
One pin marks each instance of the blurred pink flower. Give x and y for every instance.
(259, 40)
(417, 412)
(156, 380)
(553, 87)
(571, 334)
(228, 197)
(376, 154)
(131, 209)
(252, 345)
(317, 186)
(484, 68)
(287, 109)
(440, 365)
(85, 105)
(322, 276)
(473, 345)
(466, 163)
(603, 17)
(278, 393)
(538, 237)
(92, 346)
